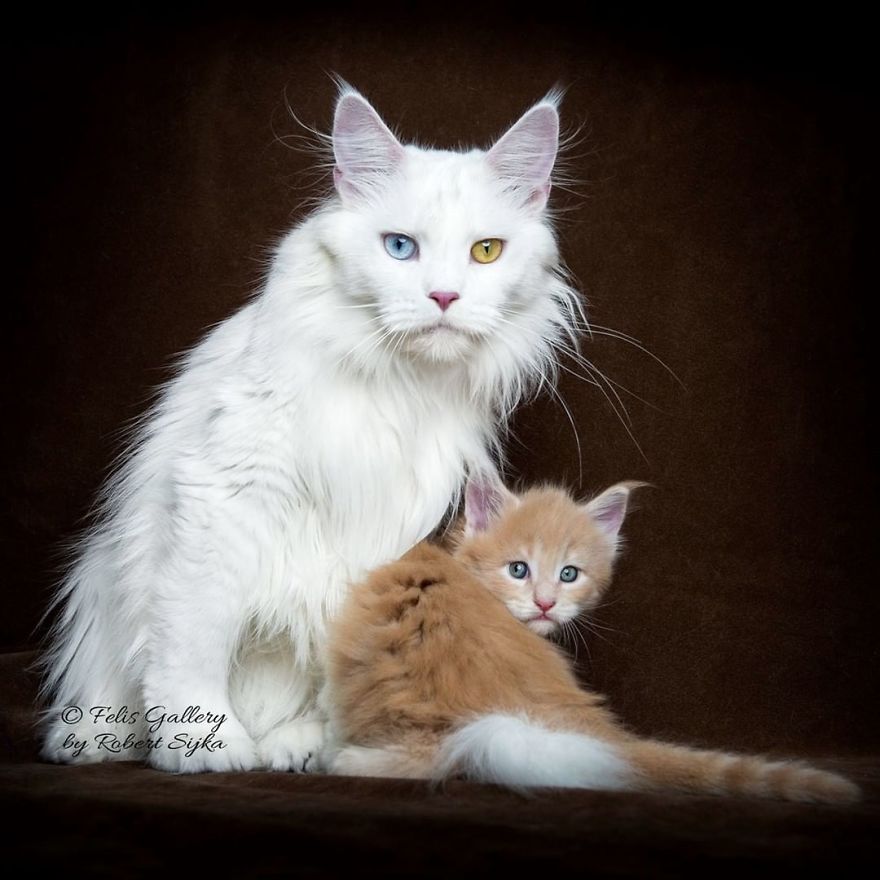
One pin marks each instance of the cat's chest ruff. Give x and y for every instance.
(370, 431)
(389, 464)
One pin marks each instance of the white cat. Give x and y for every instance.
(317, 433)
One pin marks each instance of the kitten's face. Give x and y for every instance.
(443, 252)
(545, 556)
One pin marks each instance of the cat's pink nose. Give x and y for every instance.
(444, 300)
(545, 604)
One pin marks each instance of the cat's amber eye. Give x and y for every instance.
(488, 250)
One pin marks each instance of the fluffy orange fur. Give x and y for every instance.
(429, 643)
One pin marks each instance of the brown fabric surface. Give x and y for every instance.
(724, 222)
(126, 820)
(129, 821)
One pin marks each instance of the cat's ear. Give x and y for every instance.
(608, 510)
(524, 156)
(365, 150)
(485, 496)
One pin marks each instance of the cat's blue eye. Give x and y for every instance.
(518, 570)
(569, 574)
(400, 246)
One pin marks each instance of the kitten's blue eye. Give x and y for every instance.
(518, 570)
(569, 574)
(399, 246)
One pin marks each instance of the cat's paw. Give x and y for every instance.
(294, 746)
(195, 748)
(88, 743)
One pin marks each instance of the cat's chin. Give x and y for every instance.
(440, 344)
(542, 626)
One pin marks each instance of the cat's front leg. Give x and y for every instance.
(196, 626)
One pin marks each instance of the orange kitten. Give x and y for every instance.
(548, 559)
(433, 674)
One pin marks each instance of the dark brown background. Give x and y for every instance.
(724, 219)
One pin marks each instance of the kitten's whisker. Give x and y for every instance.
(589, 620)
(580, 635)
(565, 631)
(594, 624)
(594, 632)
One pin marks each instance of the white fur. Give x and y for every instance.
(513, 751)
(318, 432)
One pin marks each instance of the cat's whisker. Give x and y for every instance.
(578, 359)
(581, 324)
(590, 620)
(542, 368)
(593, 632)
(580, 376)
(600, 377)
(380, 332)
(377, 337)
(594, 624)
(398, 342)
(625, 419)
(577, 631)
(397, 338)
(357, 306)
(556, 394)
(597, 378)
(610, 332)
(565, 632)
(549, 381)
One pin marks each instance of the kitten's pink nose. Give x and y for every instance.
(545, 604)
(444, 300)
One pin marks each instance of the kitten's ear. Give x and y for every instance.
(366, 151)
(484, 498)
(608, 510)
(524, 157)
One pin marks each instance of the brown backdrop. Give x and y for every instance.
(722, 219)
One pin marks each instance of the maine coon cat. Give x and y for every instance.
(318, 432)
(438, 667)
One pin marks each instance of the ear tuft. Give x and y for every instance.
(366, 151)
(525, 155)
